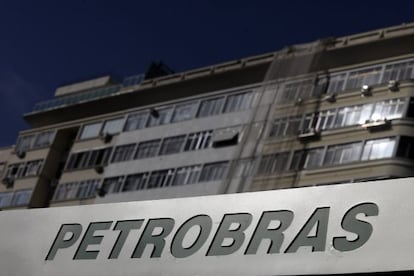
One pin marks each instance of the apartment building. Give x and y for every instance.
(336, 110)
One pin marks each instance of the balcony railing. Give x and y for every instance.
(86, 96)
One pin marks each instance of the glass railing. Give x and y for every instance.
(86, 96)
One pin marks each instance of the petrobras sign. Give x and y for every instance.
(350, 228)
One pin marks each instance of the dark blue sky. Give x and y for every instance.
(45, 44)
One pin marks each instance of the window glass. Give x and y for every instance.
(148, 149)
(297, 161)
(123, 153)
(24, 143)
(326, 119)
(136, 121)
(5, 199)
(97, 157)
(244, 168)
(273, 163)
(211, 107)
(161, 178)
(336, 83)
(66, 191)
(113, 184)
(313, 158)
(340, 154)
(113, 126)
(21, 197)
(78, 160)
(160, 117)
(198, 140)
(380, 148)
(87, 188)
(186, 175)
(366, 113)
(185, 111)
(91, 131)
(2, 168)
(399, 71)
(362, 77)
(44, 139)
(135, 182)
(238, 102)
(213, 171)
(172, 145)
(33, 168)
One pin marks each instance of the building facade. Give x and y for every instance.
(337, 110)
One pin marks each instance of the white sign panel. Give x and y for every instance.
(351, 228)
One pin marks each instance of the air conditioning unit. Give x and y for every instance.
(101, 192)
(331, 98)
(366, 91)
(8, 182)
(393, 85)
(20, 154)
(99, 169)
(308, 133)
(106, 137)
(376, 124)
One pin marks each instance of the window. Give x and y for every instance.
(273, 163)
(32, 168)
(313, 158)
(238, 102)
(87, 188)
(44, 139)
(161, 178)
(362, 77)
(185, 111)
(78, 160)
(211, 107)
(297, 161)
(399, 71)
(66, 191)
(135, 182)
(91, 131)
(15, 170)
(162, 117)
(136, 121)
(379, 148)
(388, 109)
(24, 143)
(2, 167)
(148, 149)
(98, 157)
(213, 171)
(225, 137)
(348, 116)
(5, 199)
(198, 140)
(299, 89)
(244, 168)
(172, 145)
(113, 126)
(123, 153)
(345, 153)
(325, 119)
(406, 147)
(21, 197)
(113, 184)
(282, 127)
(186, 175)
(76, 190)
(336, 83)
